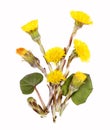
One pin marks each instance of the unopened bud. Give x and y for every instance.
(78, 79)
(36, 107)
(28, 57)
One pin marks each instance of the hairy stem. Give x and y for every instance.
(59, 99)
(43, 70)
(66, 49)
(64, 104)
(50, 96)
(71, 38)
(43, 52)
(71, 57)
(53, 102)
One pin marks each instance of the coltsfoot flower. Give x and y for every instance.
(55, 77)
(78, 79)
(54, 54)
(28, 57)
(32, 29)
(82, 50)
(30, 26)
(81, 17)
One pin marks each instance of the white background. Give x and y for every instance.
(55, 26)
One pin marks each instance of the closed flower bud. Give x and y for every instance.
(36, 107)
(28, 57)
(78, 79)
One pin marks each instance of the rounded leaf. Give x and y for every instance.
(28, 82)
(83, 92)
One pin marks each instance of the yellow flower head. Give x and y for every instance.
(30, 26)
(80, 76)
(54, 54)
(82, 50)
(55, 77)
(81, 17)
(21, 51)
(78, 79)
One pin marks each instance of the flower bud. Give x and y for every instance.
(28, 57)
(78, 79)
(36, 107)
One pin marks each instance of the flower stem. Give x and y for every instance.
(40, 98)
(71, 57)
(63, 61)
(37, 64)
(52, 100)
(66, 49)
(43, 70)
(59, 99)
(50, 96)
(41, 46)
(71, 38)
(43, 52)
(64, 104)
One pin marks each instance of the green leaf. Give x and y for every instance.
(84, 91)
(65, 86)
(28, 82)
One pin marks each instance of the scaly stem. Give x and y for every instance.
(71, 57)
(71, 38)
(53, 102)
(62, 64)
(66, 49)
(37, 64)
(43, 70)
(43, 52)
(41, 46)
(50, 101)
(50, 96)
(59, 99)
(64, 104)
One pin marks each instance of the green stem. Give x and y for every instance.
(43, 52)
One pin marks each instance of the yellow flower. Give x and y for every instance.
(80, 76)
(55, 77)
(32, 29)
(54, 54)
(78, 79)
(30, 26)
(80, 17)
(82, 50)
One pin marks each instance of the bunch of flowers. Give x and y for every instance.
(61, 84)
